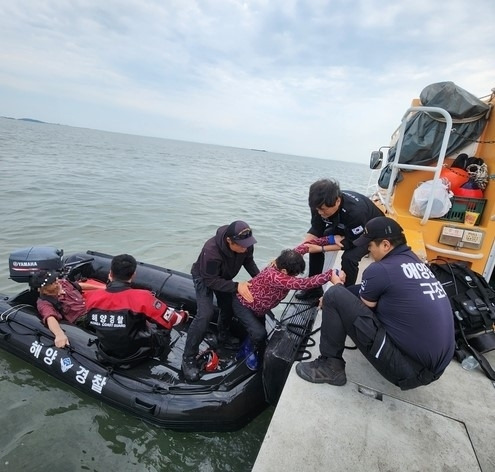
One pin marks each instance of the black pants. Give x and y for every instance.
(155, 343)
(204, 315)
(343, 315)
(350, 263)
(254, 326)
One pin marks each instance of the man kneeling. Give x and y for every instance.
(402, 320)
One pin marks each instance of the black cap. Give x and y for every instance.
(42, 278)
(241, 233)
(380, 227)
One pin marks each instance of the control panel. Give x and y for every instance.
(460, 237)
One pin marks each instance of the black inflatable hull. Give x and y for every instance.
(224, 400)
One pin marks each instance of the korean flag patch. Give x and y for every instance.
(357, 230)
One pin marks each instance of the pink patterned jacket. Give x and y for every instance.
(271, 286)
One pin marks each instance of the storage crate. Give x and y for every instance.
(462, 204)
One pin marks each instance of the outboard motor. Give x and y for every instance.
(24, 263)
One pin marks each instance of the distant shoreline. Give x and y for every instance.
(32, 120)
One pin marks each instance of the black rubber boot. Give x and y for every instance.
(190, 369)
(227, 341)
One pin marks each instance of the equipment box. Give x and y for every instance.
(460, 205)
(23, 263)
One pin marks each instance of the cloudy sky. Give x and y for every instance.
(320, 78)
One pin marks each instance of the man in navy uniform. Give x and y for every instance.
(402, 320)
(341, 215)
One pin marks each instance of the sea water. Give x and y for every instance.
(160, 200)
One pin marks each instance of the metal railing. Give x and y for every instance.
(397, 166)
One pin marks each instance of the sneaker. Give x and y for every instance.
(253, 361)
(323, 370)
(310, 294)
(227, 341)
(190, 369)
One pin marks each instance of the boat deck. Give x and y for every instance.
(369, 424)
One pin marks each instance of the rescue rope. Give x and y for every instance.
(12, 311)
(479, 141)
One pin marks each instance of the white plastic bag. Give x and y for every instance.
(438, 190)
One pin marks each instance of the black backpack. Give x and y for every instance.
(473, 307)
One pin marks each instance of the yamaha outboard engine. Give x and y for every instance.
(24, 263)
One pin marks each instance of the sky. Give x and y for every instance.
(324, 78)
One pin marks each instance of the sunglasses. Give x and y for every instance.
(244, 234)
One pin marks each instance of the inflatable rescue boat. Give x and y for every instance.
(227, 396)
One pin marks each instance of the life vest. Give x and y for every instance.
(57, 304)
(124, 335)
(121, 333)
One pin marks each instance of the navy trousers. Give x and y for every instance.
(344, 314)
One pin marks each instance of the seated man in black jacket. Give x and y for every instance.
(121, 316)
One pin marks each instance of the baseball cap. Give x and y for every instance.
(42, 278)
(380, 227)
(241, 233)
